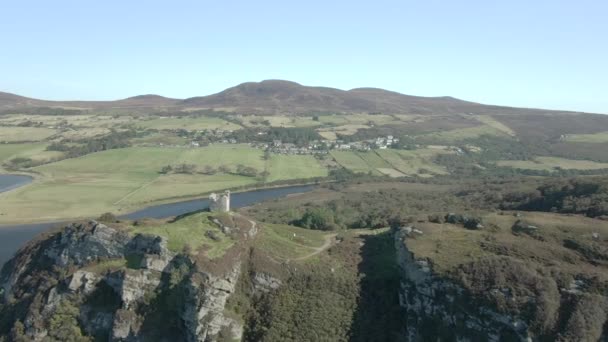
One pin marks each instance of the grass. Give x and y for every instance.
(551, 163)
(34, 151)
(373, 160)
(456, 135)
(122, 180)
(413, 162)
(391, 162)
(279, 241)
(595, 138)
(188, 123)
(107, 265)
(352, 161)
(490, 121)
(282, 167)
(16, 134)
(330, 133)
(281, 121)
(189, 230)
(448, 246)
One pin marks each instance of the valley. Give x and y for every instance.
(417, 219)
(102, 158)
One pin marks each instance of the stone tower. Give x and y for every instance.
(220, 203)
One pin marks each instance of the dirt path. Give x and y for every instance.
(329, 241)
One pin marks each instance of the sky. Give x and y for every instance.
(543, 54)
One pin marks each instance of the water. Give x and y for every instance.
(12, 237)
(9, 182)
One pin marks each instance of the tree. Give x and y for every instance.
(317, 218)
(209, 170)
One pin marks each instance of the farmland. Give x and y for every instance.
(188, 123)
(393, 163)
(16, 134)
(125, 179)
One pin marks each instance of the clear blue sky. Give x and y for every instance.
(536, 53)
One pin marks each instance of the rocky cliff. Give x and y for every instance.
(489, 294)
(90, 280)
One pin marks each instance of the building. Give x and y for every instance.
(220, 203)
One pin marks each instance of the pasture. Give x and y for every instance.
(456, 135)
(34, 151)
(18, 134)
(391, 162)
(279, 121)
(123, 180)
(188, 123)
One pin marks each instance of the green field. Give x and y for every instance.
(596, 138)
(551, 163)
(188, 123)
(288, 242)
(16, 134)
(413, 162)
(391, 162)
(456, 135)
(122, 180)
(189, 230)
(280, 121)
(352, 161)
(490, 121)
(86, 120)
(34, 151)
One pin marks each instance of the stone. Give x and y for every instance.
(203, 314)
(131, 286)
(83, 282)
(220, 203)
(263, 282)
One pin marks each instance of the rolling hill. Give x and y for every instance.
(284, 97)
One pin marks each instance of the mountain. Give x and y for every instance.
(12, 101)
(285, 97)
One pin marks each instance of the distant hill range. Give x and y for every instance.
(284, 97)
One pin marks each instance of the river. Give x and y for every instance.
(9, 182)
(12, 237)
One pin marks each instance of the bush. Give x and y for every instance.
(317, 218)
(107, 217)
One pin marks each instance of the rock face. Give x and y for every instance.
(66, 275)
(437, 308)
(79, 244)
(206, 297)
(499, 298)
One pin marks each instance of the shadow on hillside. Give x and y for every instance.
(378, 316)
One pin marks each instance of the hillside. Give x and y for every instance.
(10, 101)
(284, 97)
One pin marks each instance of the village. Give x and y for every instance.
(320, 146)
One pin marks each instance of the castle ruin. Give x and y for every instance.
(220, 202)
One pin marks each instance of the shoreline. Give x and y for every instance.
(173, 200)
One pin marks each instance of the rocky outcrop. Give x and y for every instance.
(264, 283)
(132, 285)
(80, 244)
(499, 297)
(206, 297)
(439, 308)
(110, 284)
